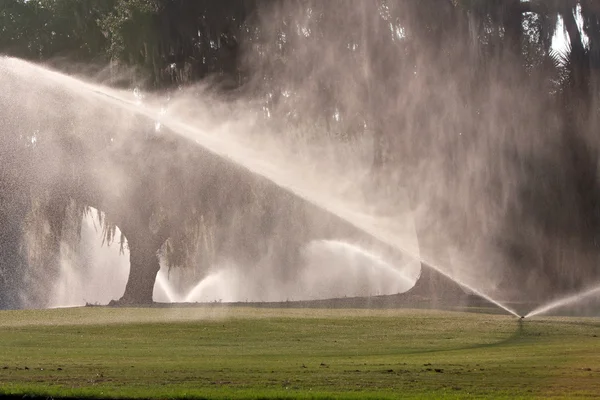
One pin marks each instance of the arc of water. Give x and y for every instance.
(565, 301)
(163, 284)
(377, 261)
(196, 292)
(360, 221)
(253, 162)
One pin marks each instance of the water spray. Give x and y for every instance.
(251, 160)
(574, 298)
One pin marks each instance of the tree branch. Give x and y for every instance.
(572, 30)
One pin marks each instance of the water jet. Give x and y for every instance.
(565, 301)
(390, 233)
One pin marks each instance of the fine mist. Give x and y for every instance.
(92, 272)
(107, 184)
(95, 274)
(498, 177)
(376, 126)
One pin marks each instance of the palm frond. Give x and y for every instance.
(562, 63)
(560, 58)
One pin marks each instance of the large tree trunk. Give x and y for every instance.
(143, 244)
(144, 266)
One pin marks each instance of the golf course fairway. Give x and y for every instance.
(242, 352)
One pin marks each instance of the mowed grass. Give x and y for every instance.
(239, 352)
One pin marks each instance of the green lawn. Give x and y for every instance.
(238, 352)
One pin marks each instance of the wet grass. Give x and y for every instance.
(240, 352)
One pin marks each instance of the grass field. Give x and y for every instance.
(238, 352)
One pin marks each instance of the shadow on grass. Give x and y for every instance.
(519, 335)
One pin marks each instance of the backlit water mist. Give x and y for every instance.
(333, 269)
(96, 275)
(228, 131)
(323, 187)
(565, 301)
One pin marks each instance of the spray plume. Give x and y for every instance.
(287, 178)
(565, 301)
(464, 142)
